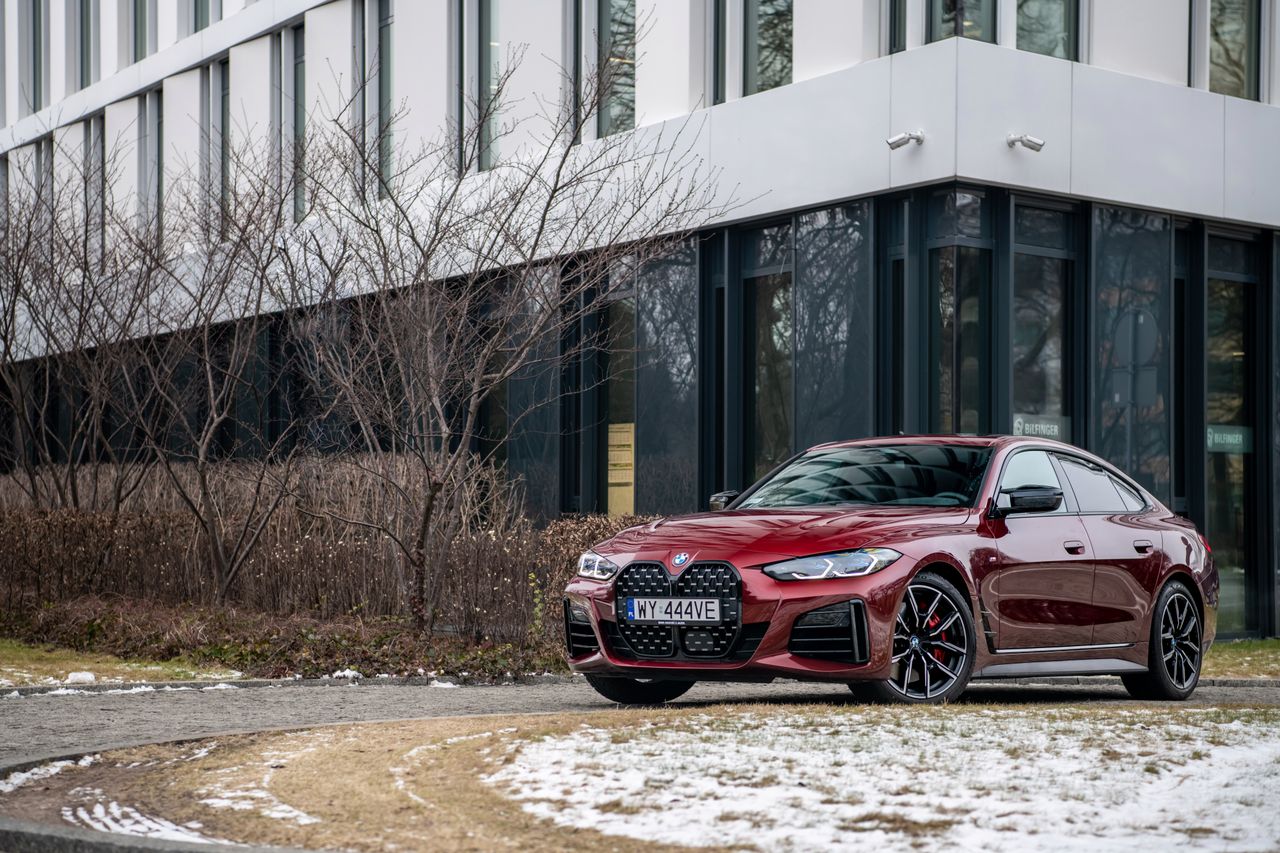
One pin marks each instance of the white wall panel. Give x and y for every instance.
(1146, 38)
(804, 144)
(834, 34)
(9, 113)
(330, 77)
(251, 92)
(1146, 143)
(1252, 173)
(530, 30)
(924, 98)
(671, 57)
(422, 80)
(171, 21)
(1002, 92)
(110, 21)
(184, 138)
(68, 156)
(121, 130)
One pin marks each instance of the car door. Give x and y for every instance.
(1044, 584)
(1126, 550)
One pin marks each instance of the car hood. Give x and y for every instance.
(759, 536)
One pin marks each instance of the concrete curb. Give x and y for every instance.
(20, 836)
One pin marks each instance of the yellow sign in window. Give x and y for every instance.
(622, 469)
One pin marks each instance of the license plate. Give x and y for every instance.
(674, 611)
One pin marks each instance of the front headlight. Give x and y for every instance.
(592, 565)
(847, 564)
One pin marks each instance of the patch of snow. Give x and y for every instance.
(911, 779)
(221, 685)
(142, 689)
(81, 678)
(256, 795)
(100, 813)
(14, 781)
(434, 683)
(347, 673)
(14, 695)
(65, 691)
(382, 675)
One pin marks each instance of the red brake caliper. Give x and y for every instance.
(933, 623)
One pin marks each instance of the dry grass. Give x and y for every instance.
(23, 665)
(1243, 659)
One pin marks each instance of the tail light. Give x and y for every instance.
(1205, 543)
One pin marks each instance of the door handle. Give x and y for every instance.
(1142, 546)
(1074, 546)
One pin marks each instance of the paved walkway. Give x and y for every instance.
(38, 727)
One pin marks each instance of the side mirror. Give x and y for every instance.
(720, 500)
(1029, 499)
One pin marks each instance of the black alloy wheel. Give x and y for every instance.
(933, 645)
(1176, 648)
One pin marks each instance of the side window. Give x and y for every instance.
(1028, 468)
(1094, 488)
(1133, 502)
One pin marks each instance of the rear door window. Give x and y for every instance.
(1094, 488)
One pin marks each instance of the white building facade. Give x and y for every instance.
(1055, 217)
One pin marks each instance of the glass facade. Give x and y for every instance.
(1050, 27)
(769, 338)
(1043, 265)
(617, 31)
(1234, 29)
(767, 56)
(386, 108)
(971, 19)
(1132, 367)
(618, 406)
(489, 58)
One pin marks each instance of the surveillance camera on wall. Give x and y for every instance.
(897, 141)
(1026, 140)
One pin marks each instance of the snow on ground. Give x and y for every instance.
(14, 781)
(255, 793)
(98, 811)
(918, 779)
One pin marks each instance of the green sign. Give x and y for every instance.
(1222, 438)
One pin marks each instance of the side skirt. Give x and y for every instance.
(1094, 666)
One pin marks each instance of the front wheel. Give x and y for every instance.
(632, 691)
(934, 644)
(1174, 650)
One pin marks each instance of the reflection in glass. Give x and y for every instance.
(1131, 316)
(1039, 292)
(959, 276)
(897, 25)
(769, 301)
(767, 48)
(835, 332)
(973, 19)
(489, 59)
(1233, 48)
(1048, 27)
(667, 386)
(618, 407)
(617, 28)
(1230, 449)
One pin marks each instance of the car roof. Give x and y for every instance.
(995, 441)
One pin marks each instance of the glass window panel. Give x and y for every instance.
(835, 331)
(769, 300)
(385, 105)
(489, 61)
(720, 33)
(1093, 487)
(767, 49)
(1131, 319)
(1233, 48)
(1132, 500)
(974, 19)
(1231, 256)
(618, 408)
(533, 428)
(1036, 226)
(617, 29)
(1048, 27)
(957, 213)
(299, 122)
(1038, 346)
(667, 385)
(897, 25)
(139, 29)
(1229, 418)
(959, 276)
(766, 249)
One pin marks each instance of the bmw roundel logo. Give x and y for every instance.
(680, 559)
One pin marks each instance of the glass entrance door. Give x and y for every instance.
(1231, 290)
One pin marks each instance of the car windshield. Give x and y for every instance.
(882, 475)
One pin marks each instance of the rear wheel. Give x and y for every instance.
(633, 691)
(933, 646)
(1174, 650)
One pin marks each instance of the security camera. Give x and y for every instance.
(897, 141)
(1026, 140)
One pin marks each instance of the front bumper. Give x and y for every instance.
(765, 646)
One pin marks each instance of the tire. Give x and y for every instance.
(934, 644)
(1175, 648)
(631, 691)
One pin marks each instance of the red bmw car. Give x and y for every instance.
(905, 567)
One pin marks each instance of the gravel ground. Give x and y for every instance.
(39, 727)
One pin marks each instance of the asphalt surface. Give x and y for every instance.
(39, 727)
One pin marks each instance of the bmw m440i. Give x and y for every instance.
(905, 567)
